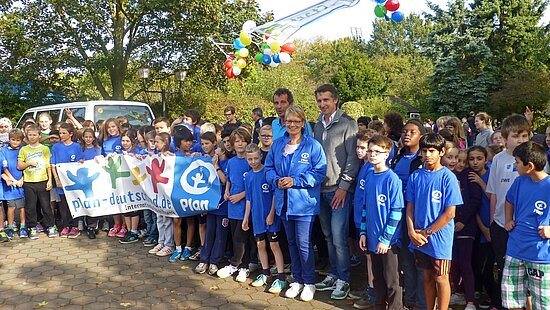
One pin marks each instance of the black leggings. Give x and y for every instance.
(241, 251)
(67, 219)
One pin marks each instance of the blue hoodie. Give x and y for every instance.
(307, 167)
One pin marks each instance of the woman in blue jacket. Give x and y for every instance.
(295, 168)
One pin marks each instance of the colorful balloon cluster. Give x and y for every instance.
(384, 6)
(271, 53)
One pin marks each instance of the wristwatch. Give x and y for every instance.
(429, 231)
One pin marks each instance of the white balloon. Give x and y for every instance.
(249, 25)
(284, 57)
(268, 51)
(236, 70)
(269, 41)
(273, 64)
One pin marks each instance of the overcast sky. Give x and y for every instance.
(339, 23)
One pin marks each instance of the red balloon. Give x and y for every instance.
(392, 5)
(288, 48)
(228, 64)
(229, 73)
(231, 56)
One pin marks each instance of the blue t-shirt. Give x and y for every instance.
(260, 196)
(359, 194)
(91, 153)
(403, 168)
(485, 210)
(236, 170)
(62, 153)
(530, 200)
(432, 192)
(9, 161)
(2, 159)
(222, 210)
(383, 195)
(112, 145)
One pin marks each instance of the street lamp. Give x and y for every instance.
(144, 74)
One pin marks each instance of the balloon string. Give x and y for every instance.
(218, 45)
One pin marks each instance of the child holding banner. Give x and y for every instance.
(128, 140)
(66, 152)
(236, 170)
(266, 224)
(217, 223)
(183, 139)
(34, 160)
(90, 150)
(109, 139)
(165, 225)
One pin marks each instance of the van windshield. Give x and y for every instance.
(138, 116)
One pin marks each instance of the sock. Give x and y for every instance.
(178, 248)
(134, 231)
(189, 248)
(266, 272)
(10, 227)
(23, 225)
(281, 276)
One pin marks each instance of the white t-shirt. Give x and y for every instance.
(503, 173)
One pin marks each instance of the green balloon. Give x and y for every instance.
(259, 57)
(380, 10)
(264, 46)
(237, 54)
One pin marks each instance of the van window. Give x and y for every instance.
(138, 116)
(77, 112)
(26, 116)
(53, 113)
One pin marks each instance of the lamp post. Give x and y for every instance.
(144, 74)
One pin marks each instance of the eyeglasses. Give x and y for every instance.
(293, 122)
(228, 114)
(266, 136)
(376, 153)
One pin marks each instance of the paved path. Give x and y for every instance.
(104, 274)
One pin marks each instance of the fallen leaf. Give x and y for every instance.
(126, 304)
(108, 292)
(184, 267)
(138, 272)
(42, 304)
(98, 283)
(214, 288)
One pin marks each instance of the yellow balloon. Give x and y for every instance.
(245, 38)
(243, 52)
(241, 63)
(275, 47)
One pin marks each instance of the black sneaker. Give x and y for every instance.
(130, 237)
(91, 233)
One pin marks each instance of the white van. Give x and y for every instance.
(139, 114)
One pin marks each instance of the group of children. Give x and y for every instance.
(420, 203)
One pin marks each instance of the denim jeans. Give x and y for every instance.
(413, 276)
(335, 226)
(150, 219)
(165, 227)
(300, 246)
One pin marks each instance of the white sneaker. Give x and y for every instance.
(294, 290)
(470, 307)
(242, 275)
(458, 299)
(308, 292)
(227, 271)
(165, 251)
(156, 249)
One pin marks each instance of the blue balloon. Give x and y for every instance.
(276, 58)
(266, 59)
(381, 1)
(397, 17)
(237, 44)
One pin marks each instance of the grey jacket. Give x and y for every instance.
(483, 138)
(339, 143)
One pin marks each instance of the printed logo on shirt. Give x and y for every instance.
(510, 167)
(4, 163)
(304, 158)
(539, 207)
(265, 188)
(73, 157)
(382, 200)
(225, 222)
(362, 184)
(436, 196)
(118, 148)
